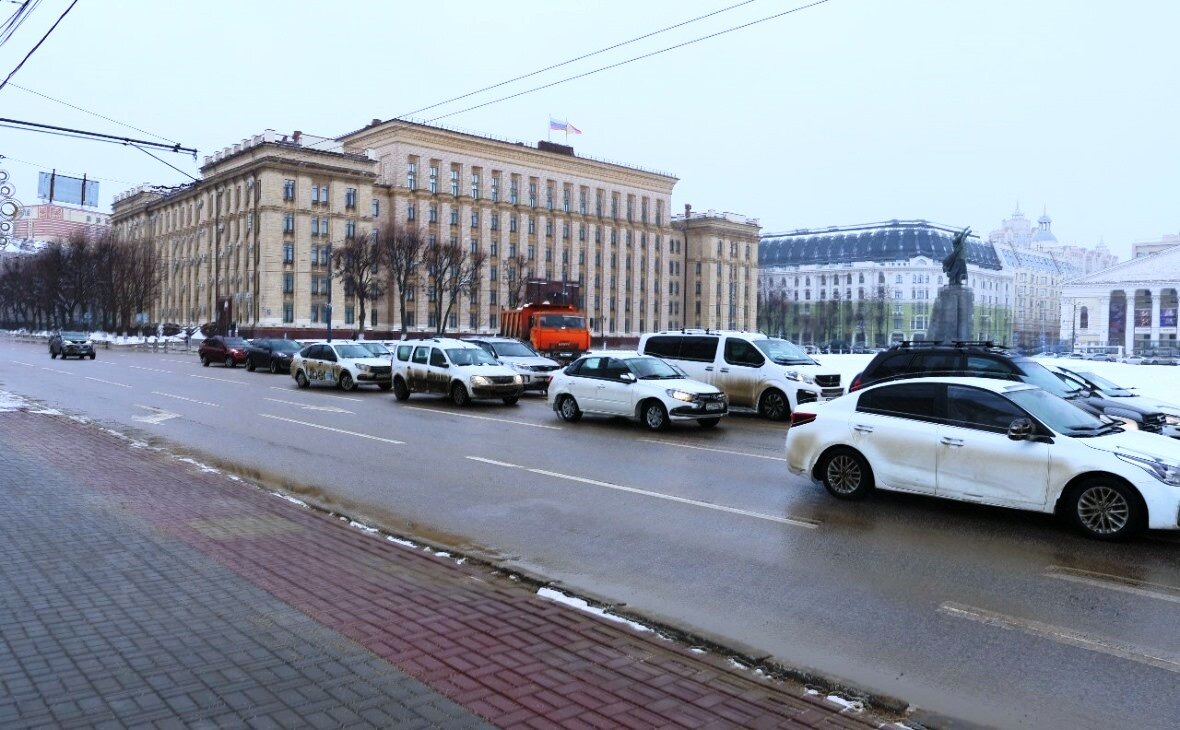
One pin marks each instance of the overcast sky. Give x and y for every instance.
(848, 112)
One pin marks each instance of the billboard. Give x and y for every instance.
(66, 189)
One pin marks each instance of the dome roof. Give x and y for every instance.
(881, 242)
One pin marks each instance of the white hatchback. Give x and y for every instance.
(635, 386)
(992, 442)
(342, 364)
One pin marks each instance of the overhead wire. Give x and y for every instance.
(17, 19)
(34, 48)
(96, 114)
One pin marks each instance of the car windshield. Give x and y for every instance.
(515, 349)
(376, 348)
(782, 352)
(470, 356)
(562, 320)
(284, 346)
(652, 368)
(352, 352)
(1042, 377)
(1107, 387)
(74, 336)
(235, 342)
(1058, 414)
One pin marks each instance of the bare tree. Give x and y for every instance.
(400, 248)
(450, 272)
(357, 264)
(518, 271)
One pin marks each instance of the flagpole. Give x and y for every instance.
(550, 127)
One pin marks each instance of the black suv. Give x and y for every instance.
(985, 360)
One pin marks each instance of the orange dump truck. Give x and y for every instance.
(555, 330)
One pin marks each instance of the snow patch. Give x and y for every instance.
(399, 541)
(290, 499)
(10, 402)
(697, 650)
(581, 605)
(847, 704)
(203, 467)
(362, 527)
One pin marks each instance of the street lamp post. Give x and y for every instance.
(329, 305)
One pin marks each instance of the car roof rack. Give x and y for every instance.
(911, 344)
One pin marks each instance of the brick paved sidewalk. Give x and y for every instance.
(138, 589)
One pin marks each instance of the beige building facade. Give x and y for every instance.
(248, 245)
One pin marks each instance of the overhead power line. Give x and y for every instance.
(87, 111)
(34, 48)
(631, 60)
(574, 60)
(98, 136)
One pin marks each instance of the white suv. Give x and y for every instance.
(342, 364)
(754, 370)
(452, 368)
(635, 386)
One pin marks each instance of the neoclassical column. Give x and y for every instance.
(1155, 316)
(1129, 331)
(1104, 318)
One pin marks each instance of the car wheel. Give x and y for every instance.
(93, 355)
(229, 361)
(1105, 509)
(846, 474)
(708, 422)
(301, 379)
(459, 395)
(655, 416)
(53, 355)
(347, 384)
(384, 386)
(773, 405)
(567, 408)
(249, 364)
(274, 367)
(204, 361)
(511, 400)
(400, 390)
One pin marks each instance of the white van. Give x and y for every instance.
(754, 370)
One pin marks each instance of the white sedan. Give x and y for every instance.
(992, 442)
(635, 386)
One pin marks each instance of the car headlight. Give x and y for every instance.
(520, 368)
(364, 368)
(1167, 472)
(800, 377)
(517, 380)
(1128, 423)
(1171, 419)
(480, 380)
(681, 395)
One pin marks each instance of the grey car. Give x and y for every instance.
(71, 344)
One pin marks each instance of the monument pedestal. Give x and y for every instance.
(952, 315)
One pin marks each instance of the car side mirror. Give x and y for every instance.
(1020, 429)
(627, 377)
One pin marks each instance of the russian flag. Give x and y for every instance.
(557, 125)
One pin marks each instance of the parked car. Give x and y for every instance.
(992, 442)
(769, 374)
(1133, 360)
(534, 369)
(345, 365)
(229, 351)
(66, 344)
(639, 387)
(274, 355)
(450, 367)
(921, 359)
(1111, 391)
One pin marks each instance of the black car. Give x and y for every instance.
(65, 344)
(983, 359)
(273, 355)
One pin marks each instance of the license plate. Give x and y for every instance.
(714, 406)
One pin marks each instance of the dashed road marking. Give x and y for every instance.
(334, 430)
(796, 521)
(339, 397)
(305, 406)
(1115, 583)
(1160, 660)
(220, 380)
(154, 370)
(181, 397)
(108, 382)
(485, 418)
(708, 448)
(57, 370)
(26, 364)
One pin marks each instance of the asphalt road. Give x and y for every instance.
(991, 616)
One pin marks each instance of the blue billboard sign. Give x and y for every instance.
(66, 189)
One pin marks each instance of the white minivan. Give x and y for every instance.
(769, 374)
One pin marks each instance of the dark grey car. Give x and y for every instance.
(71, 344)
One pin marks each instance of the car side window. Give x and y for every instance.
(980, 409)
(594, 367)
(892, 366)
(327, 353)
(938, 363)
(662, 346)
(404, 351)
(741, 352)
(575, 368)
(615, 368)
(422, 355)
(703, 349)
(988, 367)
(437, 358)
(918, 401)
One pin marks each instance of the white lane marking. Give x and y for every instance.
(220, 380)
(340, 397)
(1062, 635)
(181, 397)
(100, 380)
(484, 418)
(159, 415)
(154, 370)
(493, 462)
(798, 522)
(329, 428)
(56, 370)
(719, 451)
(182, 362)
(26, 364)
(1115, 583)
(306, 407)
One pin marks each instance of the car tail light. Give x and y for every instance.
(798, 418)
(855, 385)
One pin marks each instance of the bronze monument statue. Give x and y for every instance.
(955, 263)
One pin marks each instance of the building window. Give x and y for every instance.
(1084, 318)
(512, 223)
(513, 193)
(455, 183)
(315, 226)
(288, 223)
(495, 222)
(411, 212)
(493, 250)
(532, 224)
(288, 312)
(434, 178)
(475, 219)
(495, 188)
(350, 198)
(288, 190)
(549, 227)
(315, 256)
(349, 315)
(433, 217)
(288, 282)
(288, 253)
(350, 230)
(412, 175)
(475, 186)
(582, 202)
(376, 209)
(315, 313)
(532, 195)
(454, 215)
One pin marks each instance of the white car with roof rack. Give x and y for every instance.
(449, 367)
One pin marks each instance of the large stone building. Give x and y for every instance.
(872, 284)
(249, 244)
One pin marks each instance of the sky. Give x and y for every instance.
(847, 112)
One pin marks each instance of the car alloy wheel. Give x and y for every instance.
(1105, 510)
(301, 379)
(347, 384)
(847, 475)
(567, 409)
(400, 390)
(205, 361)
(655, 417)
(229, 361)
(459, 395)
(774, 405)
(274, 367)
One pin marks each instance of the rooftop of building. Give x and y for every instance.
(895, 240)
